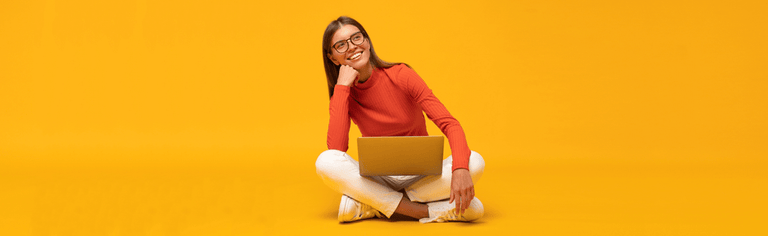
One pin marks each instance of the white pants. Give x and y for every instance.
(340, 172)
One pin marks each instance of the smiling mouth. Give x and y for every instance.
(356, 56)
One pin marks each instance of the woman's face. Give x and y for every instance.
(355, 56)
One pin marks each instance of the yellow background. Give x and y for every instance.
(205, 117)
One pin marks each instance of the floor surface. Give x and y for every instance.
(219, 195)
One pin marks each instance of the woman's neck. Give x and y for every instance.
(365, 73)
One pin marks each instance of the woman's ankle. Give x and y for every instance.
(412, 209)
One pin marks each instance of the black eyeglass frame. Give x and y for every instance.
(350, 41)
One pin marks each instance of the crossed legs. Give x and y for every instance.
(341, 173)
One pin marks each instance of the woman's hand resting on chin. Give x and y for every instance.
(348, 76)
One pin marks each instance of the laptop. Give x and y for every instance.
(400, 155)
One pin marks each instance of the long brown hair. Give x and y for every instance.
(332, 70)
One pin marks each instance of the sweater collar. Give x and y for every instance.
(375, 74)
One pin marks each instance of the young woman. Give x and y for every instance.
(387, 99)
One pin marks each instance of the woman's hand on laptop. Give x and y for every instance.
(462, 189)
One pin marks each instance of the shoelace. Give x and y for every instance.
(450, 216)
(362, 211)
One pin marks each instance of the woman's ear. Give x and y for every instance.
(332, 59)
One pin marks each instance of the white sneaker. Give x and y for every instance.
(352, 210)
(442, 211)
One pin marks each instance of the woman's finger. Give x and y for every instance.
(465, 198)
(469, 200)
(457, 199)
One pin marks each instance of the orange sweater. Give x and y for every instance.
(390, 103)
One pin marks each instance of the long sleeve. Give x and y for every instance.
(436, 111)
(338, 125)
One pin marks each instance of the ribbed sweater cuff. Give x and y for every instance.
(460, 163)
(340, 89)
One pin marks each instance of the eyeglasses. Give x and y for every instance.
(356, 39)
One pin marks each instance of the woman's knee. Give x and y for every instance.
(332, 167)
(476, 165)
(324, 163)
